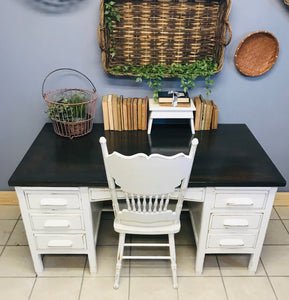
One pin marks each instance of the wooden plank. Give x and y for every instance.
(8, 198)
(282, 199)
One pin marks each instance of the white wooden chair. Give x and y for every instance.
(147, 182)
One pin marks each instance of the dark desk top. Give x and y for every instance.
(229, 156)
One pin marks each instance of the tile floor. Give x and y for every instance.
(68, 277)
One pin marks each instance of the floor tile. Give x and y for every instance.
(106, 261)
(102, 289)
(276, 233)
(6, 227)
(281, 287)
(107, 236)
(63, 265)
(158, 288)
(56, 289)
(205, 288)
(22, 292)
(186, 259)
(237, 265)
(257, 288)
(186, 234)
(16, 261)
(149, 238)
(286, 224)
(276, 260)
(274, 215)
(283, 211)
(150, 267)
(9, 212)
(18, 236)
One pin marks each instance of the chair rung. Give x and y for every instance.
(146, 245)
(146, 257)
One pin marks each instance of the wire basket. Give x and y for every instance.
(71, 110)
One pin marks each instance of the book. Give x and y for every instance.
(124, 111)
(179, 104)
(139, 113)
(144, 113)
(208, 114)
(105, 112)
(166, 97)
(135, 105)
(202, 120)
(198, 114)
(114, 112)
(214, 124)
(119, 115)
(121, 112)
(110, 115)
(129, 115)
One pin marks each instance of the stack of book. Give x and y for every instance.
(206, 117)
(124, 113)
(166, 99)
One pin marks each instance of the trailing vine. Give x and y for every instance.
(155, 73)
(111, 15)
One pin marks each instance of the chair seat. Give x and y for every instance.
(166, 228)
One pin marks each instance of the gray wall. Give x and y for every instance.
(36, 39)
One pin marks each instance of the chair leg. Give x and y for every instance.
(173, 259)
(119, 259)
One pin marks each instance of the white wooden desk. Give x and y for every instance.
(61, 183)
(169, 112)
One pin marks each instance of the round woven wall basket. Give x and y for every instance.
(71, 110)
(286, 2)
(257, 53)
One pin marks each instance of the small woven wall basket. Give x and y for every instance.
(71, 110)
(166, 31)
(286, 2)
(257, 53)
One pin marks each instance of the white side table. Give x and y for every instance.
(170, 112)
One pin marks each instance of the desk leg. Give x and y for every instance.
(192, 126)
(90, 229)
(38, 263)
(150, 123)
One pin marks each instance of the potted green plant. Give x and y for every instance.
(69, 108)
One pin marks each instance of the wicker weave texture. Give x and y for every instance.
(166, 31)
(257, 53)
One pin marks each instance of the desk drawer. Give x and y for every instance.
(191, 194)
(53, 201)
(244, 200)
(235, 222)
(103, 194)
(55, 222)
(60, 241)
(233, 241)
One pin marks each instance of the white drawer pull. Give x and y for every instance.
(53, 202)
(231, 243)
(236, 223)
(60, 243)
(240, 202)
(57, 223)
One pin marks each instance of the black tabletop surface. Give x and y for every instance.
(228, 156)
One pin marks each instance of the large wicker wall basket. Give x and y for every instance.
(165, 31)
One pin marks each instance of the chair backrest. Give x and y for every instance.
(148, 181)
